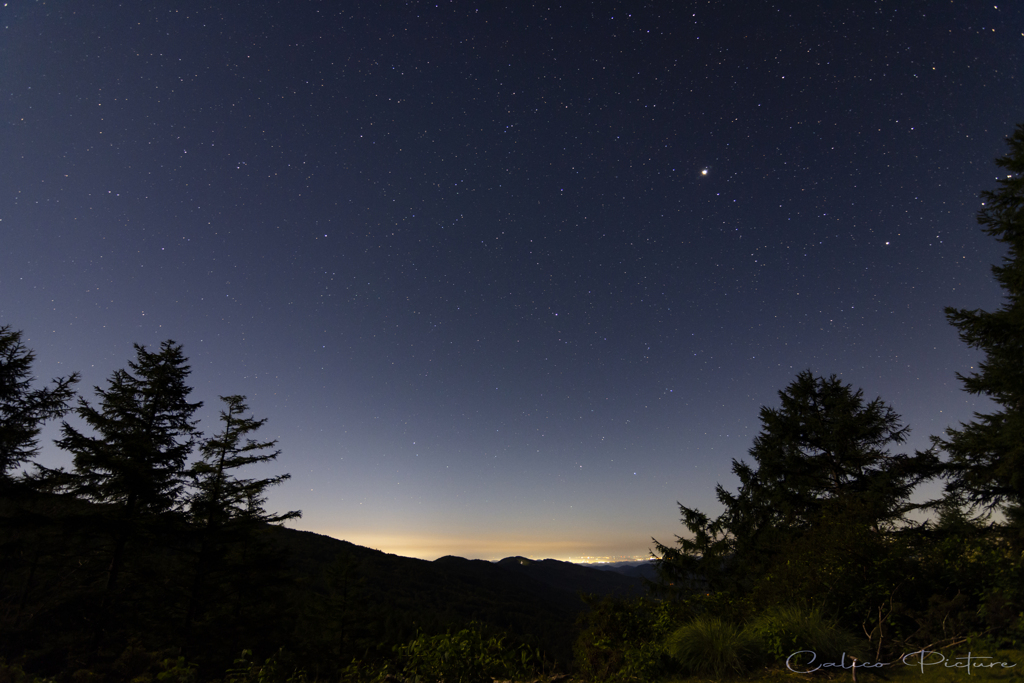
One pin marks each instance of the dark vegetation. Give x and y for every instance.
(155, 559)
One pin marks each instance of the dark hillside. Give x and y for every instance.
(645, 570)
(324, 600)
(393, 596)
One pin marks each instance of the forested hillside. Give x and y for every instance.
(156, 545)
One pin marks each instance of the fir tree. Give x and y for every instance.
(145, 434)
(986, 463)
(219, 495)
(821, 469)
(825, 447)
(223, 507)
(26, 528)
(23, 410)
(135, 463)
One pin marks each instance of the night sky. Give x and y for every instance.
(506, 280)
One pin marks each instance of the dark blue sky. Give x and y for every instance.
(465, 257)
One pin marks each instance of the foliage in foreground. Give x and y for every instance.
(707, 636)
(711, 646)
(467, 656)
(622, 640)
(783, 631)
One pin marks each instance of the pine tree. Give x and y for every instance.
(825, 447)
(821, 468)
(223, 507)
(26, 527)
(135, 464)
(986, 463)
(23, 410)
(219, 495)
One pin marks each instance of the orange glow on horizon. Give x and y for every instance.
(433, 547)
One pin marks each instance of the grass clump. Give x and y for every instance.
(709, 646)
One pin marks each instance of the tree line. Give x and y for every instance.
(134, 542)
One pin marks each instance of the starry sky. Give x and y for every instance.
(506, 278)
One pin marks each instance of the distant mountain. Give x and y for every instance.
(606, 565)
(575, 578)
(645, 569)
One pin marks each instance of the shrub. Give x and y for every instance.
(621, 640)
(783, 631)
(13, 673)
(466, 657)
(272, 670)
